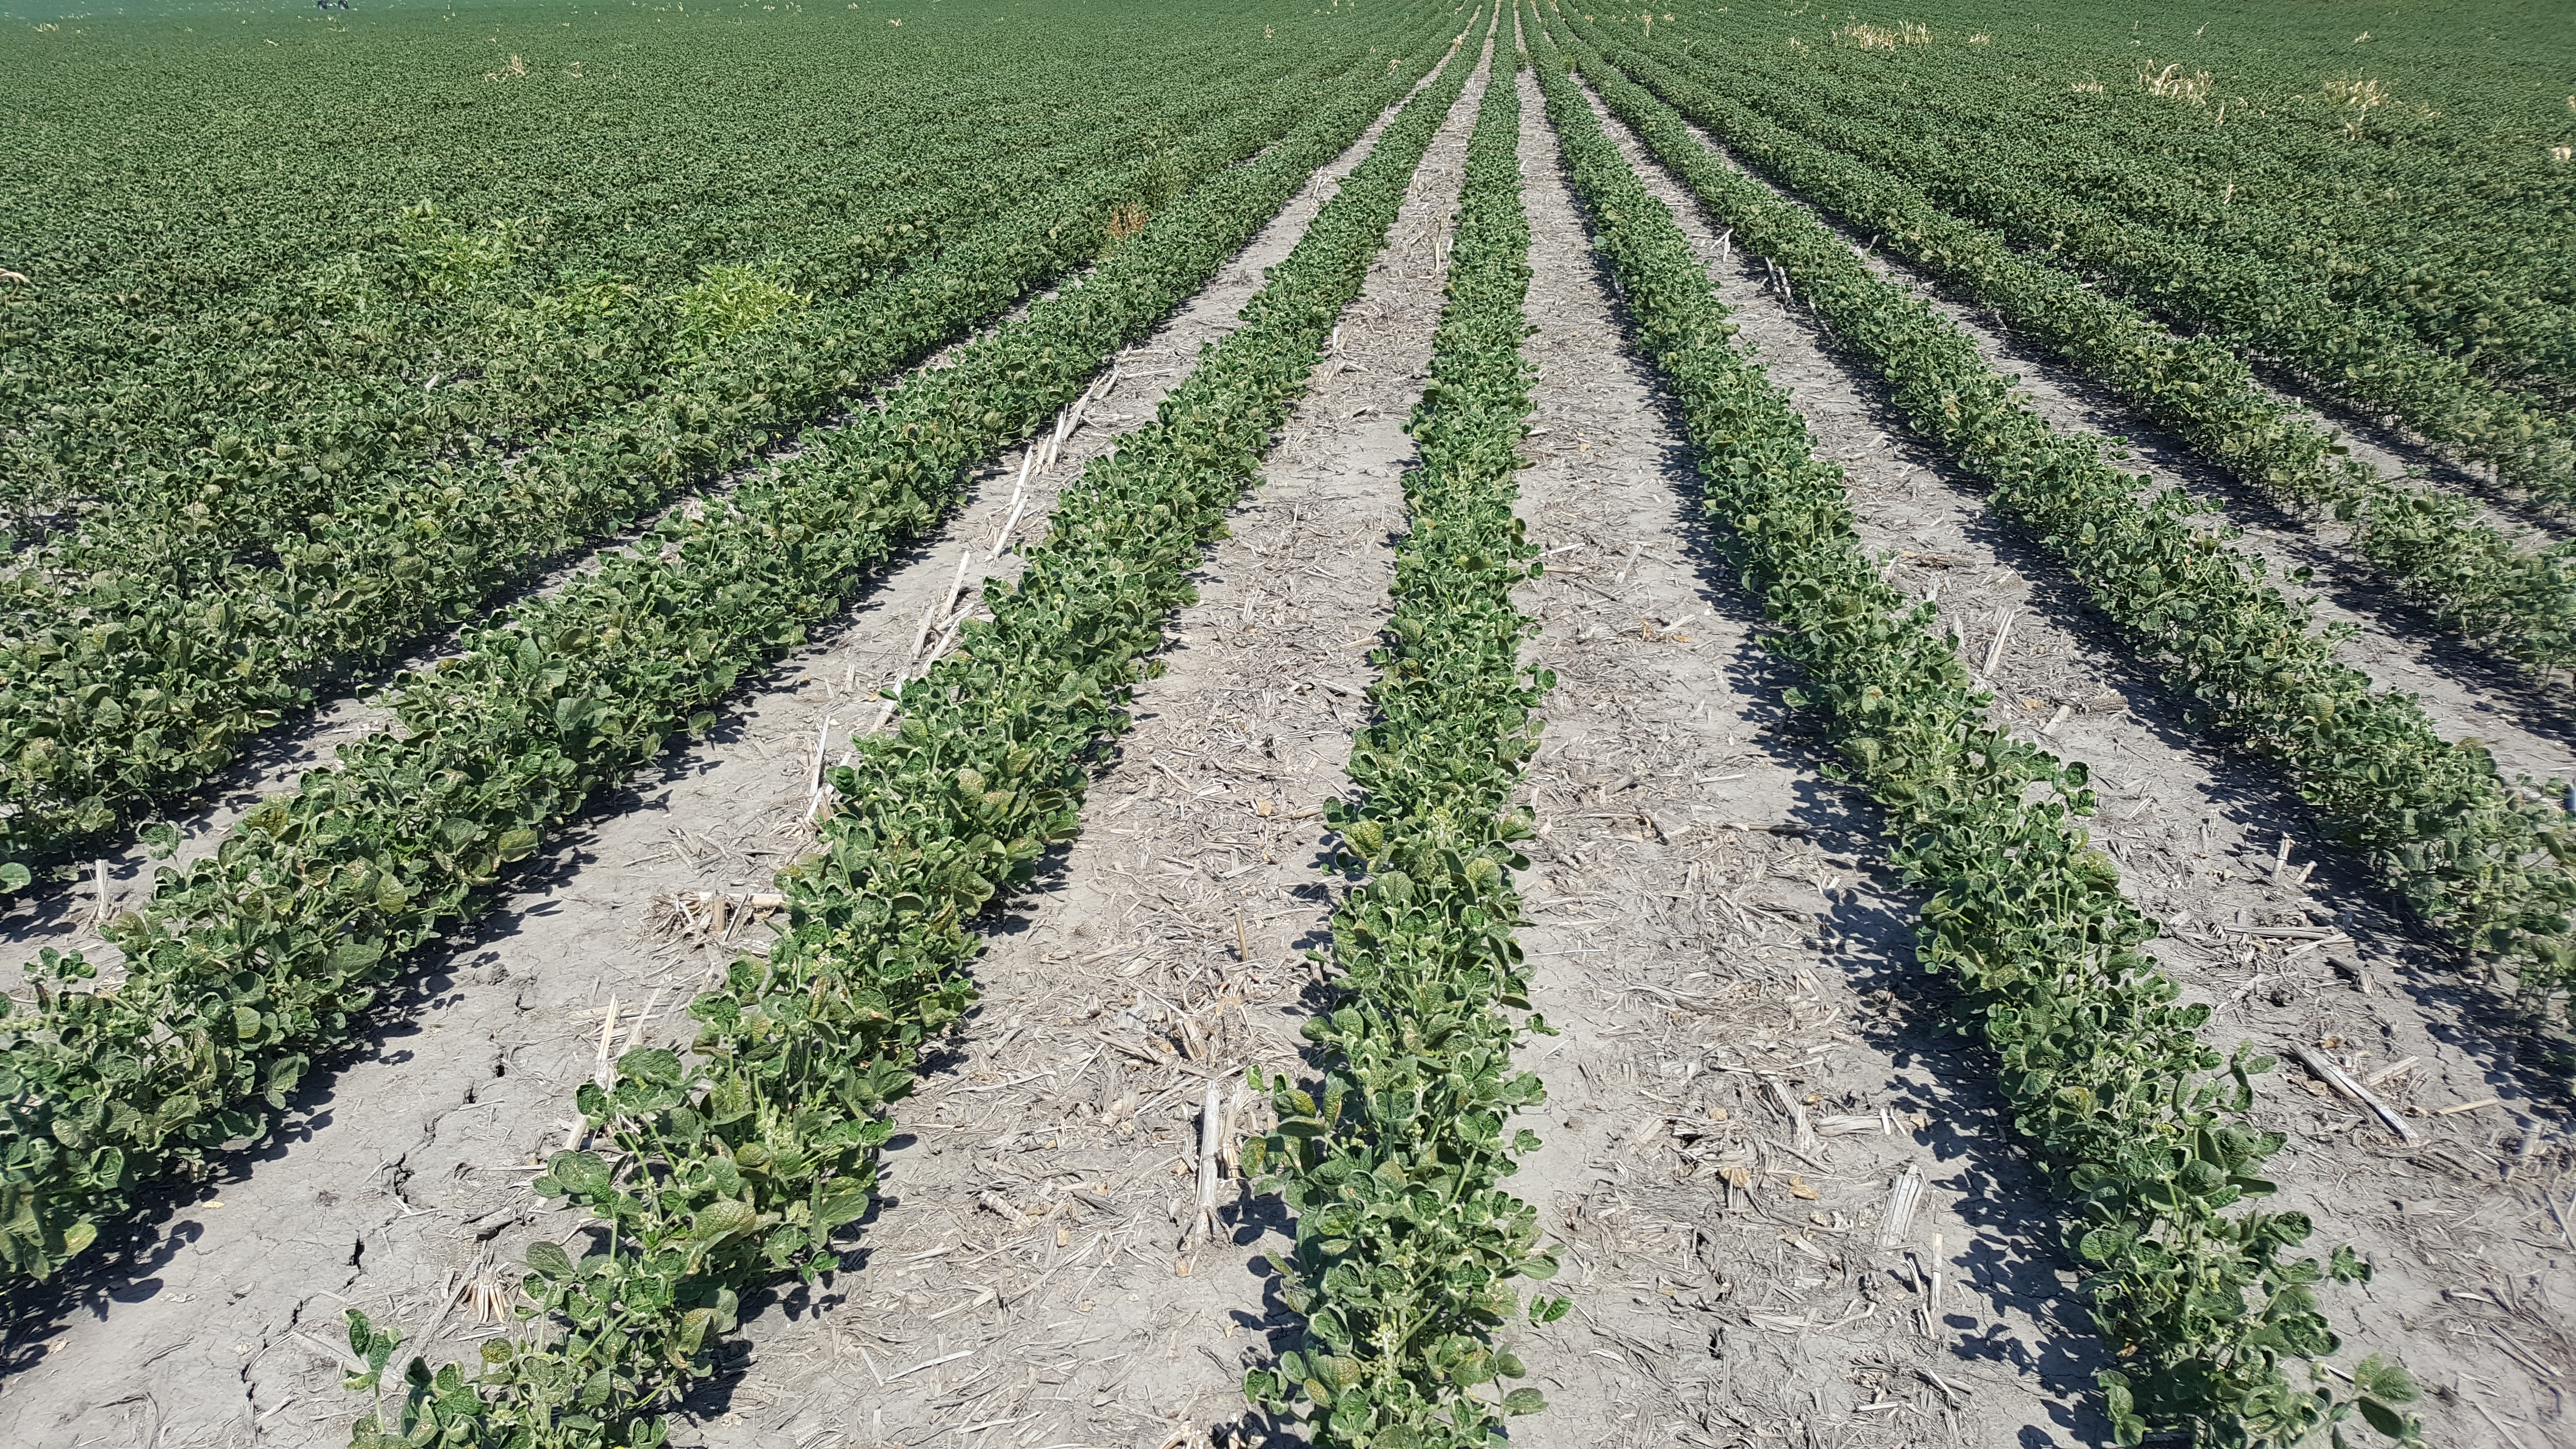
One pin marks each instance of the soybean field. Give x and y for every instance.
(1178, 724)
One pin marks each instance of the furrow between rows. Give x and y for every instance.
(1040, 1203)
(704, 826)
(1706, 921)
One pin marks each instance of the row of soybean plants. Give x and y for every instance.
(735, 1164)
(1395, 1163)
(2137, 1120)
(2362, 358)
(201, 295)
(2419, 187)
(2485, 861)
(438, 343)
(263, 396)
(244, 968)
(2428, 544)
(140, 682)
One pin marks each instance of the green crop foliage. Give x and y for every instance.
(203, 260)
(2000, 174)
(1394, 1163)
(759, 1143)
(252, 563)
(2484, 860)
(2398, 159)
(2427, 543)
(252, 964)
(2136, 1120)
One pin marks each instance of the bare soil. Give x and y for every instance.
(1746, 1058)
(400, 1186)
(2461, 1223)
(1030, 1258)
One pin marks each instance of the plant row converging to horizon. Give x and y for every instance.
(749, 446)
(2134, 1117)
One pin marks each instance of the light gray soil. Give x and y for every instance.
(1034, 1236)
(2467, 691)
(401, 1187)
(1748, 1057)
(1711, 946)
(2470, 1250)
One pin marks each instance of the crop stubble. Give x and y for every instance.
(2196, 832)
(404, 1185)
(1041, 1199)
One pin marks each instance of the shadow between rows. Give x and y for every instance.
(120, 1265)
(1996, 1184)
(128, 1252)
(2421, 457)
(1014, 916)
(2458, 1008)
(1997, 1194)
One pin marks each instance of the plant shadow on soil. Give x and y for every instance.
(2518, 1044)
(2514, 1044)
(121, 1265)
(1256, 1215)
(2456, 1009)
(2015, 1252)
(275, 758)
